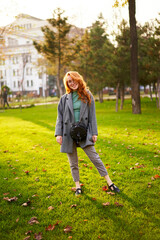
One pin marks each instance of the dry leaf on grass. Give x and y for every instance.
(26, 203)
(110, 193)
(13, 199)
(26, 238)
(50, 208)
(106, 204)
(74, 205)
(33, 220)
(38, 236)
(118, 204)
(156, 176)
(105, 188)
(67, 229)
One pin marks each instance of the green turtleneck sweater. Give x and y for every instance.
(76, 106)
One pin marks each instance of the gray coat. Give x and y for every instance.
(65, 119)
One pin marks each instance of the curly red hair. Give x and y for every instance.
(82, 90)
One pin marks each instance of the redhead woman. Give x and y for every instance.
(78, 105)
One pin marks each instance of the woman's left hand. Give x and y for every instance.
(94, 138)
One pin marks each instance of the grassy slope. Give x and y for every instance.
(125, 141)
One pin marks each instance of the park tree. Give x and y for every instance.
(56, 47)
(121, 61)
(98, 56)
(157, 47)
(82, 52)
(136, 103)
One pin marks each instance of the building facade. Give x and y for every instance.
(19, 68)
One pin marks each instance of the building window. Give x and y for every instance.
(12, 41)
(14, 60)
(31, 83)
(14, 72)
(27, 83)
(1, 74)
(27, 71)
(40, 75)
(14, 84)
(2, 61)
(30, 71)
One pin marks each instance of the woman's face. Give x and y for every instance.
(72, 84)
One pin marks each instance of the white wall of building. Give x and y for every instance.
(19, 45)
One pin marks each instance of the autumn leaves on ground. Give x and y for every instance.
(37, 190)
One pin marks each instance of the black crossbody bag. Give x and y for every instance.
(78, 131)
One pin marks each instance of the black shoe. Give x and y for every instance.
(114, 188)
(78, 191)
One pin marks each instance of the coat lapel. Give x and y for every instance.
(70, 103)
(82, 109)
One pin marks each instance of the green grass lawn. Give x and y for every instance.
(33, 170)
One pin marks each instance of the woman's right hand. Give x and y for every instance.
(59, 139)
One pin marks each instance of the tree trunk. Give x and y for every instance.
(100, 93)
(58, 81)
(122, 96)
(117, 91)
(136, 102)
(158, 92)
(150, 92)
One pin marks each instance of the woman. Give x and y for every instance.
(78, 105)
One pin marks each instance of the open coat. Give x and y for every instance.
(65, 119)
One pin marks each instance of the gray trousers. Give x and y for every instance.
(93, 156)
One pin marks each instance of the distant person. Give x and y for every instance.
(78, 106)
(4, 95)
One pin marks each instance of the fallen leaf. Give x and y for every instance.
(10, 199)
(26, 203)
(118, 204)
(81, 184)
(29, 232)
(44, 170)
(17, 220)
(50, 227)
(33, 220)
(50, 208)
(94, 199)
(85, 220)
(67, 229)
(70, 237)
(73, 189)
(110, 193)
(107, 167)
(156, 176)
(27, 172)
(5, 193)
(74, 205)
(106, 204)
(105, 188)
(38, 236)
(26, 238)
(85, 165)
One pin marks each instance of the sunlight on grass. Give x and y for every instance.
(34, 171)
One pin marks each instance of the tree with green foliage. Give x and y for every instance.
(121, 61)
(82, 53)
(157, 49)
(56, 47)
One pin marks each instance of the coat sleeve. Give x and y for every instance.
(92, 117)
(59, 122)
